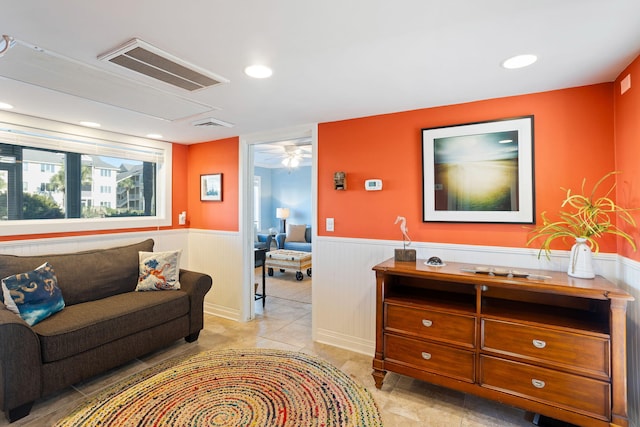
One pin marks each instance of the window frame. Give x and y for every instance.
(95, 140)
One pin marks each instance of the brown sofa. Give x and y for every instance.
(105, 323)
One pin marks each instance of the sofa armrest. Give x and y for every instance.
(266, 239)
(196, 285)
(20, 362)
(280, 238)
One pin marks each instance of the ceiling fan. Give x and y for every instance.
(283, 154)
(294, 154)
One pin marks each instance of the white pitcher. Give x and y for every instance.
(581, 260)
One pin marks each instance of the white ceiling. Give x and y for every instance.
(332, 59)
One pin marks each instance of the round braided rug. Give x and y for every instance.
(252, 387)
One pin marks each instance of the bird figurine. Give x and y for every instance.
(406, 241)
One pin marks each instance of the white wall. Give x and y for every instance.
(164, 241)
(219, 254)
(629, 280)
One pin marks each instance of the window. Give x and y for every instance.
(49, 180)
(44, 167)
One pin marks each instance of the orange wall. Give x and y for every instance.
(207, 158)
(627, 137)
(179, 200)
(573, 138)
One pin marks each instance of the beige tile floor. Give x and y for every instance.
(286, 324)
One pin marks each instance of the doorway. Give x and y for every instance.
(275, 158)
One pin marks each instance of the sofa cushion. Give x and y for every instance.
(297, 246)
(82, 327)
(33, 295)
(296, 233)
(87, 275)
(159, 271)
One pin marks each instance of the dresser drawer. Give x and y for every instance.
(581, 352)
(434, 325)
(579, 394)
(431, 357)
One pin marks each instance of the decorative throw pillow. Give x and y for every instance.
(33, 295)
(295, 233)
(159, 270)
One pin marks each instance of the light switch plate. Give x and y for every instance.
(329, 225)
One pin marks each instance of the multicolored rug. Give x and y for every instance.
(253, 387)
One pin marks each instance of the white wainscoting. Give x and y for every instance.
(629, 280)
(219, 254)
(344, 284)
(165, 240)
(216, 253)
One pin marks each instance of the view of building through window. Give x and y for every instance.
(56, 184)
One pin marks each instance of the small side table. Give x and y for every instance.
(259, 259)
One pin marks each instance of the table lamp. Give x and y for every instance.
(282, 214)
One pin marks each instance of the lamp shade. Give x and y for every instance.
(282, 213)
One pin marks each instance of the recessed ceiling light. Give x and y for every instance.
(519, 61)
(154, 135)
(90, 124)
(5, 106)
(258, 71)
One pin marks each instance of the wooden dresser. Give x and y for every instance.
(553, 345)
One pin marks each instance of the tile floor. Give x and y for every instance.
(286, 324)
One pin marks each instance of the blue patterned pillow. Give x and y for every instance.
(33, 295)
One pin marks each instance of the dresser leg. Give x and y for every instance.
(378, 377)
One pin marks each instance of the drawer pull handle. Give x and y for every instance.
(426, 356)
(539, 344)
(427, 323)
(537, 383)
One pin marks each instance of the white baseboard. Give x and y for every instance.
(220, 311)
(346, 342)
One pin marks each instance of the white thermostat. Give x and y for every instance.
(373, 184)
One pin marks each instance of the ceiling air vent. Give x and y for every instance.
(210, 121)
(146, 59)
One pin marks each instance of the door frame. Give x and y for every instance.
(247, 143)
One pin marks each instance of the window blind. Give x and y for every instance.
(146, 151)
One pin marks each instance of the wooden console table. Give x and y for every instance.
(553, 345)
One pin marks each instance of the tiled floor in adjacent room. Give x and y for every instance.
(286, 324)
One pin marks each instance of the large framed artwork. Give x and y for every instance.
(211, 187)
(479, 172)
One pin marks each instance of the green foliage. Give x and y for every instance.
(586, 215)
(35, 206)
(57, 181)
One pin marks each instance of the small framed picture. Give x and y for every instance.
(211, 187)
